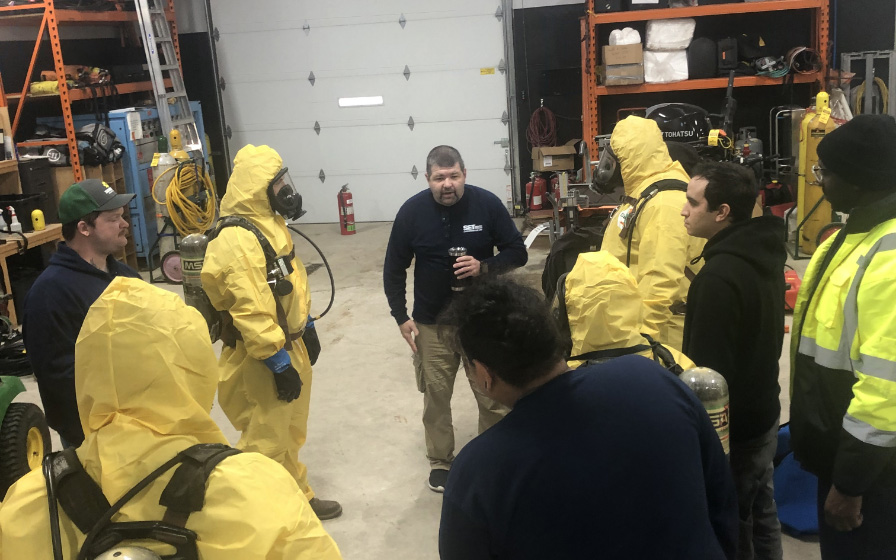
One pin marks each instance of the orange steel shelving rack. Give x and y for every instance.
(592, 92)
(49, 20)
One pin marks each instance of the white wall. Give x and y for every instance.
(455, 93)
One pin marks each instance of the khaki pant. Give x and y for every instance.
(436, 368)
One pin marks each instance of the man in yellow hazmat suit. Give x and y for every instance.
(604, 312)
(145, 376)
(646, 232)
(265, 387)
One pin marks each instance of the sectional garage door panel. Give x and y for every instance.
(455, 93)
(355, 155)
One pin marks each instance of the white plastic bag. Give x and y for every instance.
(661, 67)
(670, 34)
(625, 36)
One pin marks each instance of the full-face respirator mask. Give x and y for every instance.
(607, 176)
(283, 196)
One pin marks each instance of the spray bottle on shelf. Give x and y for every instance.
(14, 225)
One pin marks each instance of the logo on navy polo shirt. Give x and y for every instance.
(472, 228)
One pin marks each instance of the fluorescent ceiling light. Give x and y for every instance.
(360, 101)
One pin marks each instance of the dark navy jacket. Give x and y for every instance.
(55, 308)
(613, 461)
(424, 230)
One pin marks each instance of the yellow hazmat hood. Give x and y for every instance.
(247, 193)
(145, 379)
(642, 154)
(603, 304)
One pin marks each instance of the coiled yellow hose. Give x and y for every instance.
(186, 215)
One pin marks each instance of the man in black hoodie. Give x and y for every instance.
(94, 229)
(735, 325)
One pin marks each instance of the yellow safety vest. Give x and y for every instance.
(844, 358)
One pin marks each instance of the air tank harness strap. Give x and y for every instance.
(229, 333)
(599, 356)
(628, 231)
(185, 493)
(662, 355)
(84, 503)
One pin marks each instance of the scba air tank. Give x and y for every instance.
(192, 255)
(712, 390)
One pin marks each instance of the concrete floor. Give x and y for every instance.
(365, 443)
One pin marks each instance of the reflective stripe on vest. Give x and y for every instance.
(867, 433)
(841, 359)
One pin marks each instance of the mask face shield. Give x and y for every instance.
(283, 196)
(607, 176)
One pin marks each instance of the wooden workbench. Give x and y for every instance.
(52, 234)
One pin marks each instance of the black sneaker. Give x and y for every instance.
(437, 480)
(325, 509)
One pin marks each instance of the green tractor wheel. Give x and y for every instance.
(24, 441)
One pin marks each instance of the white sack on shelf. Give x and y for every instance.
(625, 36)
(662, 67)
(670, 34)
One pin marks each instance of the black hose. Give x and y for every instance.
(54, 508)
(329, 271)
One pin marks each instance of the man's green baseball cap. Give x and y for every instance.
(90, 195)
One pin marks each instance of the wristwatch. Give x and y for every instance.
(483, 267)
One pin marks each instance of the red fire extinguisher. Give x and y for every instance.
(536, 190)
(346, 211)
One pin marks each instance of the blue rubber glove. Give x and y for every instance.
(289, 384)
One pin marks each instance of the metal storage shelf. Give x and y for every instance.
(592, 91)
(699, 11)
(708, 83)
(79, 94)
(48, 20)
(67, 16)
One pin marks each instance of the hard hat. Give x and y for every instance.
(128, 553)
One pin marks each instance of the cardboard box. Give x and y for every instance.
(553, 158)
(621, 74)
(613, 55)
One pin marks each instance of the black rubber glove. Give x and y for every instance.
(312, 342)
(289, 384)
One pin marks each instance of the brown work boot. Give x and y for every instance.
(325, 509)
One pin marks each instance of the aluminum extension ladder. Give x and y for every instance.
(173, 106)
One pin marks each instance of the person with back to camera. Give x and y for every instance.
(645, 232)
(615, 461)
(146, 374)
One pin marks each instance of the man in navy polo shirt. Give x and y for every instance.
(449, 214)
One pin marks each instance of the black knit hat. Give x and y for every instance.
(863, 152)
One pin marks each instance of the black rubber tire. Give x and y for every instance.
(19, 420)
